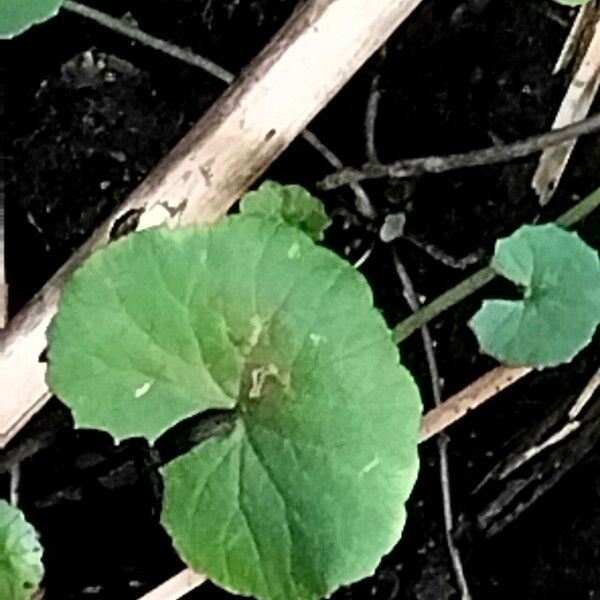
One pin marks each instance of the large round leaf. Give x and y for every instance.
(560, 309)
(307, 491)
(18, 15)
(21, 568)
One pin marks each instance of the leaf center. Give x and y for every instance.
(261, 382)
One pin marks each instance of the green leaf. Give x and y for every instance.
(290, 203)
(307, 490)
(18, 15)
(21, 568)
(560, 310)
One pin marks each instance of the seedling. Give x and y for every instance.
(21, 569)
(560, 310)
(305, 490)
(16, 16)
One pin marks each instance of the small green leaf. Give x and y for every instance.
(21, 568)
(290, 203)
(307, 490)
(560, 311)
(18, 15)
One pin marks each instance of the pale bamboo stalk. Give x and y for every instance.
(3, 284)
(179, 585)
(315, 53)
(579, 36)
(575, 106)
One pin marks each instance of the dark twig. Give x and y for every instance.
(132, 32)
(543, 455)
(363, 203)
(413, 167)
(442, 440)
(573, 423)
(371, 120)
(446, 259)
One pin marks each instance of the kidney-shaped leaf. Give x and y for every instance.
(18, 15)
(21, 568)
(307, 491)
(292, 204)
(560, 310)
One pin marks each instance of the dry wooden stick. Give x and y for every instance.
(185, 581)
(3, 284)
(474, 395)
(579, 37)
(575, 105)
(321, 46)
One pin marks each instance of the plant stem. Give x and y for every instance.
(482, 277)
(580, 210)
(442, 303)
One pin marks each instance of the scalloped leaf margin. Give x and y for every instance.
(292, 204)
(16, 16)
(307, 491)
(560, 310)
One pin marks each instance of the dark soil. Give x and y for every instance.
(87, 116)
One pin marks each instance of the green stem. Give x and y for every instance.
(442, 303)
(476, 281)
(581, 210)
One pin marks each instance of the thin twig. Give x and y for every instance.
(364, 257)
(442, 441)
(585, 396)
(371, 120)
(568, 428)
(15, 483)
(189, 57)
(446, 259)
(414, 167)
(363, 203)
(132, 32)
